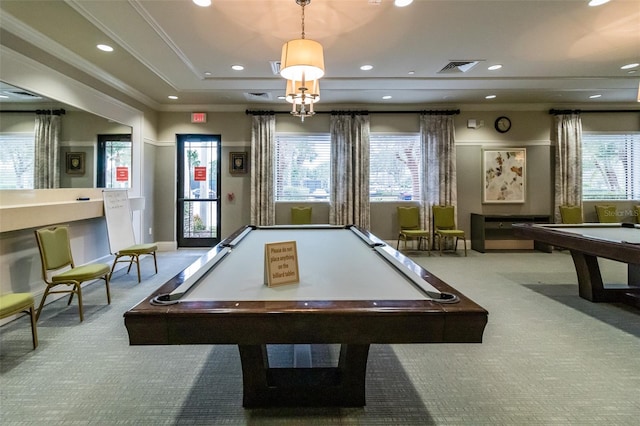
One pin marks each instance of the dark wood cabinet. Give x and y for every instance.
(494, 232)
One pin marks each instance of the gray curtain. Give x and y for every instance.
(568, 162)
(263, 212)
(439, 185)
(47, 155)
(350, 170)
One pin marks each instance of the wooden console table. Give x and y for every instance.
(494, 232)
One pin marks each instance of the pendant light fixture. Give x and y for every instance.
(302, 64)
(302, 59)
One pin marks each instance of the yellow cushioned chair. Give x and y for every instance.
(132, 255)
(55, 254)
(409, 223)
(15, 303)
(571, 214)
(607, 213)
(301, 215)
(444, 225)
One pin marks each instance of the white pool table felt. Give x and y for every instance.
(333, 264)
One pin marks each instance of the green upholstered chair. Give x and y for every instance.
(132, 255)
(444, 226)
(59, 271)
(409, 224)
(636, 212)
(571, 214)
(15, 303)
(301, 215)
(607, 213)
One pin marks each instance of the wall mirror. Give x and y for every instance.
(83, 162)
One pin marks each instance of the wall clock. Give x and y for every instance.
(502, 124)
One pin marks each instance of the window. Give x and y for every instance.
(395, 164)
(114, 161)
(302, 167)
(611, 166)
(17, 151)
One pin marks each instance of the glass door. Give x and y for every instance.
(198, 186)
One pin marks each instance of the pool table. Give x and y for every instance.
(589, 241)
(354, 290)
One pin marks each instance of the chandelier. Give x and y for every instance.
(302, 96)
(302, 64)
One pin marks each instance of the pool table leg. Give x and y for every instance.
(341, 386)
(591, 286)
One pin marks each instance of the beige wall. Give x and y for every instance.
(530, 130)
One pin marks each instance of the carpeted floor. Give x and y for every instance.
(548, 358)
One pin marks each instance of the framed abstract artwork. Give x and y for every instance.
(504, 175)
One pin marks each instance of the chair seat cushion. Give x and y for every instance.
(14, 302)
(417, 233)
(139, 249)
(450, 232)
(82, 273)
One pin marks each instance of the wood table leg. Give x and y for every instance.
(341, 386)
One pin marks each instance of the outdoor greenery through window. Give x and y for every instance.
(395, 164)
(17, 153)
(302, 167)
(611, 166)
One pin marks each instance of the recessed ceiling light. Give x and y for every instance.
(366, 67)
(208, 73)
(402, 3)
(494, 67)
(105, 47)
(385, 97)
(594, 96)
(629, 66)
(490, 97)
(237, 67)
(202, 3)
(597, 2)
(172, 97)
(411, 72)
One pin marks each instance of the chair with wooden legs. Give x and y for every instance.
(59, 271)
(571, 214)
(409, 224)
(15, 303)
(444, 225)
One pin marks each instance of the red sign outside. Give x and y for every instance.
(200, 173)
(122, 174)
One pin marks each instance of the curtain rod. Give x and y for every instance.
(364, 112)
(581, 111)
(36, 111)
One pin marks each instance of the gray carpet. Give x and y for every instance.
(548, 358)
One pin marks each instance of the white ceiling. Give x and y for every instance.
(554, 52)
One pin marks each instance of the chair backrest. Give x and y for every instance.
(55, 249)
(301, 215)
(571, 214)
(444, 217)
(408, 217)
(607, 214)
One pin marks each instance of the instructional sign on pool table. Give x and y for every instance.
(281, 263)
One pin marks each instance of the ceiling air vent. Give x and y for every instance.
(275, 67)
(20, 94)
(455, 67)
(258, 96)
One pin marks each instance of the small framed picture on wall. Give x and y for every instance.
(238, 163)
(504, 175)
(75, 163)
